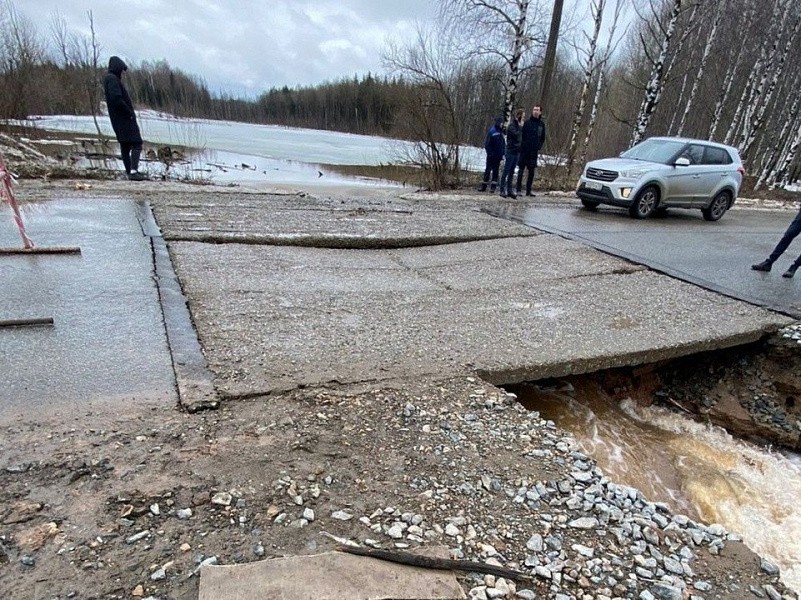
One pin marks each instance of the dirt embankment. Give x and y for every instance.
(130, 505)
(752, 391)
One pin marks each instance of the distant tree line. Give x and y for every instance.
(720, 69)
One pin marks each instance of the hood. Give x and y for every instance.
(498, 122)
(116, 65)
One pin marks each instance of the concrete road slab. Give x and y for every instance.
(308, 221)
(514, 310)
(108, 346)
(328, 576)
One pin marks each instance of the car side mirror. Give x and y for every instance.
(682, 162)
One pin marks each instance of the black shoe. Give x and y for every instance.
(764, 266)
(503, 195)
(528, 193)
(492, 189)
(512, 195)
(136, 176)
(483, 188)
(790, 272)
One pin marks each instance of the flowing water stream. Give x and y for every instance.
(701, 471)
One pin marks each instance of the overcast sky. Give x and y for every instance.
(244, 46)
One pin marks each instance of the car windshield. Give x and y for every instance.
(659, 151)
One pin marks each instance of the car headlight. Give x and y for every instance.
(634, 173)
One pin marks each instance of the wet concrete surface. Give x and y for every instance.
(107, 349)
(717, 256)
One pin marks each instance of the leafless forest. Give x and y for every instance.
(727, 70)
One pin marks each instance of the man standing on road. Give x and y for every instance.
(514, 136)
(123, 118)
(533, 139)
(495, 147)
(792, 232)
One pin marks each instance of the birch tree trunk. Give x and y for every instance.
(780, 177)
(518, 47)
(497, 30)
(601, 84)
(599, 87)
(752, 128)
(589, 71)
(746, 98)
(771, 160)
(656, 82)
(707, 51)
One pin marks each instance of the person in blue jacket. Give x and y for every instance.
(495, 146)
(123, 118)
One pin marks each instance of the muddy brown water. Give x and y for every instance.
(700, 470)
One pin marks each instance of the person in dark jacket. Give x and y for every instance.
(495, 147)
(123, 118)
(514, 136)
(533, 139)
(793, 231)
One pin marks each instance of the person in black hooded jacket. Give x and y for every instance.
(533, 139)
(123, 118)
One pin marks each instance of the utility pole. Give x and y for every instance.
(550, 53)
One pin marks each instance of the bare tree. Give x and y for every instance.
(755, 113)
(21, 50)
(589, 65)
(731, 72)
(656, 80)
(751, 89)
(434, 119)
(600, 84)
(498, 31)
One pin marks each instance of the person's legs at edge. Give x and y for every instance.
(792, 268)
(125, 150)
(792, 232)
(486, 179)
(529, 179)
(508, 171)
(496, 165)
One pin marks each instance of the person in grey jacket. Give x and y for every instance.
(123, 118)
(514, 137)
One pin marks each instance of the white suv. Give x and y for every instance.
(665, 172)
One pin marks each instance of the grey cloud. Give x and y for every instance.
(244, 46)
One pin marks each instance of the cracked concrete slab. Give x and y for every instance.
(511, 310)
(311, 221)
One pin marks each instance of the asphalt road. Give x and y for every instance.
(717, 256)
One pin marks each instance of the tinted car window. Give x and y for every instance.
(694, 153)
(660, 151)
(716, 156)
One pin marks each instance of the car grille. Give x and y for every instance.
(601, 174)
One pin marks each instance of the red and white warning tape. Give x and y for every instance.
(6, 190)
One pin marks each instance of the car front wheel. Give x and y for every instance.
(645, 203)
(718, 207)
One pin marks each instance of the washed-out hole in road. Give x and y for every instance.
(714, 435)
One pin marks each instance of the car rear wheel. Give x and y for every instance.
(718, 207)
(589, 204)
(645, 203)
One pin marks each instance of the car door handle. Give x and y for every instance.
(696, 177)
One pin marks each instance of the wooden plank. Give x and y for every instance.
(42, 250)
(26, 322)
